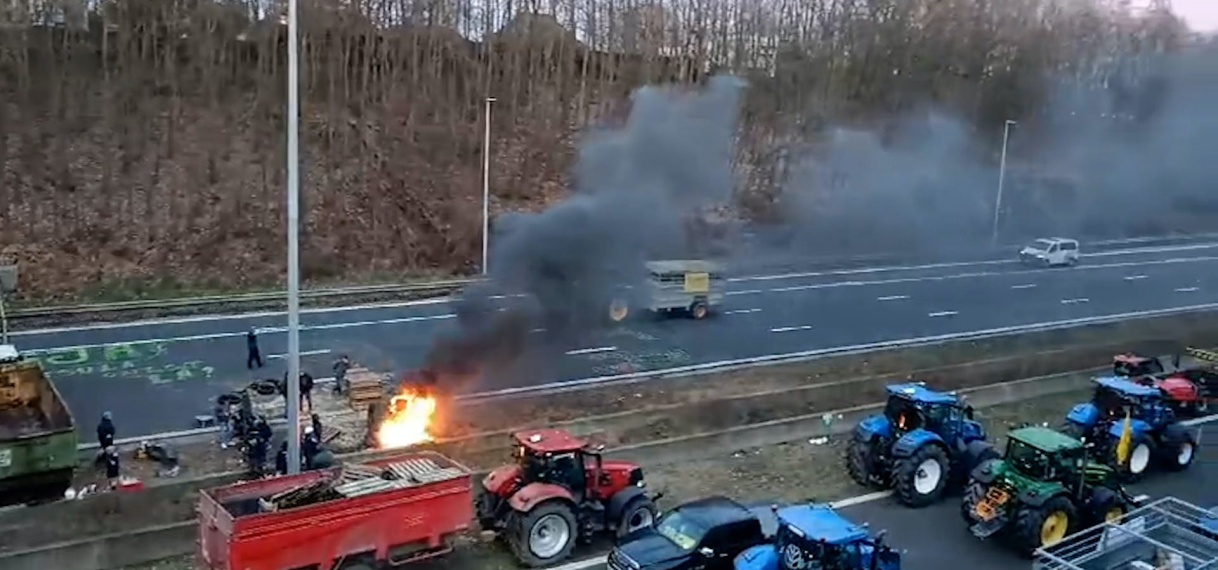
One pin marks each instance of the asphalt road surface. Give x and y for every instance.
(935, 538)
(155, 376)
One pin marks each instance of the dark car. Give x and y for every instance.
(706, 534)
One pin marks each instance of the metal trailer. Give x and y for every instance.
(1166, 534)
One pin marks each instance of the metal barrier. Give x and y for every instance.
(1165, 533)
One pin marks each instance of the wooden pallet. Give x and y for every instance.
(364, 388)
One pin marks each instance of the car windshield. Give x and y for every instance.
(1027, 459)
(1040, 245)
(681, 530)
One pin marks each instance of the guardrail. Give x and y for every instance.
(429, 288)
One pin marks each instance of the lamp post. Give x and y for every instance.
(486, 186)
(293, 123)
(1002, 171)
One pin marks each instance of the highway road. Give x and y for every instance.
(935, 538)
(156, 375)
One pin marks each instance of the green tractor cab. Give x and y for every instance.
(1044, 488)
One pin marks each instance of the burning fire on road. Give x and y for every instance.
(408, 420)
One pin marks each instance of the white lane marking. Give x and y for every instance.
(1024, 286)
(422, 318)
(790, 329)
(892, 298)
(945, 265)
(1075, 301)
(1136, 277)
(305, 353)
(745, 292)
(35, 351)
(977, 274)
(591, 350)
(942, 314)
(445, 299)
(230, 317)
(1188, 289)
(741, 311)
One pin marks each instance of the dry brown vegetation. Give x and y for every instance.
(143, 139)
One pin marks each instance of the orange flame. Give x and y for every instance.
(408, 420)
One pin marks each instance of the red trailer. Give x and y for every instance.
(357, 517)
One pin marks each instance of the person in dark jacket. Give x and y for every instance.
(112, 466)
(306, 390)
(281, 459)
(316, 419)
(254, 358)
(341, 366)
(105, 431)
(310, 446)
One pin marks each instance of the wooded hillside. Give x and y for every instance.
(142, 141)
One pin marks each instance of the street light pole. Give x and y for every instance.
(1002, 171)
(486, 187)
(293, 123)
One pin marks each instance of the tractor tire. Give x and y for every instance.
(858, 462)
(1106, 505)
(976, 453)
(544, 535)
(974, 492)
(1179, 448)
(1046, 525)
(1141, 458)
(921, 478)
(640, 513)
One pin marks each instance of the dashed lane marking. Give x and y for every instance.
(791, 329)
(942, 314)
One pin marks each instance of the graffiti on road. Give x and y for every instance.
(149, 361)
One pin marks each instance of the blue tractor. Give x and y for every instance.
(1155, 434)
(816, 536)
(924, 443)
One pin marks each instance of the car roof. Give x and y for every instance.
(918, 392)
(715, 511)
(821, 522)
(683, 266)
(549, 440)
(1127, 387)
(1045, 439)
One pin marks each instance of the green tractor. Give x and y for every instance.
(1044, 488)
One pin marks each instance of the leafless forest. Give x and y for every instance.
(143, 139)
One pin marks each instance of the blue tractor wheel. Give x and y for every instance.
(1179, 448)
(859, 462)
(1142, 452)
(921, 478)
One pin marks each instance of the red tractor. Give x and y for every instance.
(559, 490)
(1189, 387)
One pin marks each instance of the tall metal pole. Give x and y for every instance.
(486, 187)
(293, 403)
(1002, 171)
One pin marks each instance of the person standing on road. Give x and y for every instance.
(306, 390)
(112, 466)
(105, 431)
(341, 366)
(254, 358)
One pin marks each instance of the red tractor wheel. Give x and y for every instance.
(544, 535)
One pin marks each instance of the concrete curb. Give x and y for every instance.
(176, 539)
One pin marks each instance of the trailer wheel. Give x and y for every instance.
(699, 310)
(544, 535)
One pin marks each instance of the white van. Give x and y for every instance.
(1050, 252)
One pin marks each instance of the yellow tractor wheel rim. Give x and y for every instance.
(618, 311)
(1114, 514)
(1053, 529)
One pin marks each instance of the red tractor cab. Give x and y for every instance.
(1189, 389)
(559, 489)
